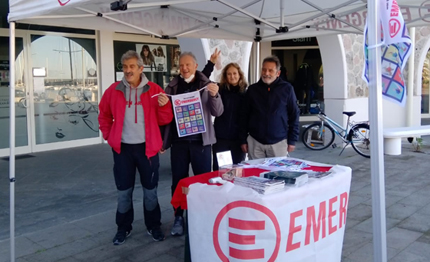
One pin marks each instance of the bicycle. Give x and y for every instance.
(321, 134)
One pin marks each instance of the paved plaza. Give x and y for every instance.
(66, 203)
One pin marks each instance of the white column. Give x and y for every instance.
(335, 79)
(410, 85)
(105, 60)
(257, 61)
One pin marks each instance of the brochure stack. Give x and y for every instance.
(260, 184)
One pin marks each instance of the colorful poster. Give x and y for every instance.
(395, 52)
(154, 57)
(188, 114)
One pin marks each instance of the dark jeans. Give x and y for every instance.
(133, 157)
(181, 155)
(227, 145)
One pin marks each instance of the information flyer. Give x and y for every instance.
(188, 114)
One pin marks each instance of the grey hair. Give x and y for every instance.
(273, 59)
(132, 54)
(188, 54)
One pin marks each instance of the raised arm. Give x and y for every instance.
(209, 67)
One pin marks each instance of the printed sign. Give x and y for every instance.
(188, 114)
(234, 223)
(224, 158)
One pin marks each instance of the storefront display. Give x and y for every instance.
(161, 61)
(300, 65)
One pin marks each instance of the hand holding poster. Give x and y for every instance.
(188, 114)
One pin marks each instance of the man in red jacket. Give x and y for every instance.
(131, 112)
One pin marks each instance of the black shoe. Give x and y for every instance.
(156, 234)
(120, 237)
(178, 226)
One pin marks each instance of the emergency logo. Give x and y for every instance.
(394, 23)
(63, 2)
(244, 237)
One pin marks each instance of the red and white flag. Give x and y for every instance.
(395, 49)
(393, 24)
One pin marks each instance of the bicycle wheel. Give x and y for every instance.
(359, 137)
(318, 137)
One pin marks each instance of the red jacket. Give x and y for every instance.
(112, 111)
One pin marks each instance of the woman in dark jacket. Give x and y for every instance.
(232, 90)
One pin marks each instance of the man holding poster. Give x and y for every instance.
(191, 134)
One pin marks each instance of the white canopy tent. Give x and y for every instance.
(248, 20)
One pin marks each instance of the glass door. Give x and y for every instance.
(65, 91)
(22, 133)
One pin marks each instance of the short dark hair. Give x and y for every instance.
(273, 59)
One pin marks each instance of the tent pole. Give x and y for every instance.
(248, 14)
(12, 137)
(282, 12)
(376, 126)
(410, 86)
(257, 61)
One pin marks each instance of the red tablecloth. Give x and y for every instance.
(179, 198)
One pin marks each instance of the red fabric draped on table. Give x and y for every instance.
(179, 198)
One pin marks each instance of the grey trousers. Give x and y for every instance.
(257, 150)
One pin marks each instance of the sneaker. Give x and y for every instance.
(120, 237)
(178, 226)
(156, 234)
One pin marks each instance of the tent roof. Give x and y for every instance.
(248, 20)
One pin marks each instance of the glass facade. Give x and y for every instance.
(303, 69)
(21, 134)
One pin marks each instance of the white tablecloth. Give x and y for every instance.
(233, 223)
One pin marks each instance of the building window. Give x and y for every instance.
(66, 98)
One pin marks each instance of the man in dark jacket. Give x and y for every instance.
(193, 149)
(270, 116)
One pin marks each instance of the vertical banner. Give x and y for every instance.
(188, 114)
(396, 46)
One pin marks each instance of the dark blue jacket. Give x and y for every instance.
(270, 113)
(227, 124)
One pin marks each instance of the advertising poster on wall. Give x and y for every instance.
(154, 57)
(189, 114)
(175, 52)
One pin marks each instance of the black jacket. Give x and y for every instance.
(227, 125)
(270, 113)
